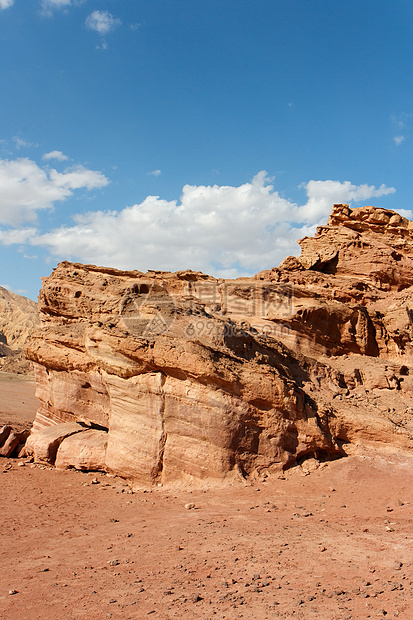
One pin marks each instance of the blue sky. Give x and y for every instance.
(173, 134)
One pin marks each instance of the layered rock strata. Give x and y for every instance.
(181, 376)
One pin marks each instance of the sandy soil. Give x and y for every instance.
(18, 403)
(333, 544)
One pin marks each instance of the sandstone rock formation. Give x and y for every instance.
(12, 441)
(18, 317)
(181, 377)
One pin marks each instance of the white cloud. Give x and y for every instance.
(398, 140)
(221, 230)
(21, 143)
(55, 155)
(5, 4)
(58, 4)
(401, 125)
(17, 236)
(155, 173)
(102, 22)
(48, 6)
(26, 188)
(323, 194)
(401, 121)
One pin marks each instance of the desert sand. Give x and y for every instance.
(330, 543)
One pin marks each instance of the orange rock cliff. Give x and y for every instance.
(164, 377)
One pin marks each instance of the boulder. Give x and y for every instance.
(84, 451)
(14, 440)
(4, 433)
(43, 444)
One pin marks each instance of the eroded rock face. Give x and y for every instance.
(18, 317)
(189, 377)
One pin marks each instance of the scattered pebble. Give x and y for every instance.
(195, 598)
(113, 562)
(190, 506)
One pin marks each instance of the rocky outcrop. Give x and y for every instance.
(18, 317)
(182, 377)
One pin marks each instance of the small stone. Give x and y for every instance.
(95, 481)
(389, 529)
(11, 592)
(190, 506)
(113, 562)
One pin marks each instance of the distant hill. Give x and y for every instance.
(18, 317)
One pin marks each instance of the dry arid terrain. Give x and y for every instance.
(264, 425)
(330, 543)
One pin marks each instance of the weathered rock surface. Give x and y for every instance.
(195, 378)
(84, 451)
(18, 317)
(43, 444)
(11, 441)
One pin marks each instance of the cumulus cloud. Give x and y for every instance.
(221, 230)
(17, 236)
(26, 188)
(102, 22)
(55, 155)
(323, 194)
(155, 173)
(5, 4)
